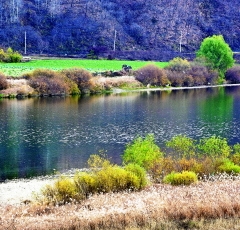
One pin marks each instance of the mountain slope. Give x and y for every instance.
(79, 26)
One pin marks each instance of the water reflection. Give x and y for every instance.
(41, 134)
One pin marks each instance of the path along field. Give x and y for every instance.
(18, 69)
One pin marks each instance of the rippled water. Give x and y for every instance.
(40, 135)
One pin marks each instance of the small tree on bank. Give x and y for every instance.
(217, 53)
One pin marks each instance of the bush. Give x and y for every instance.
(61, 192)
(228, 167)
(139, 172)
(183, 178)
(142, 151)
(176, 78)
(214, 147)
(116, 179)
(182, 145)
(178, 65)
(81, 77)
(152, 75)
(85, 183)
(202, 75)
(46, 81)
(232, 75)
(10, 56)
(160, 168)
(3, 82)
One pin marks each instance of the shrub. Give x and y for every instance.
(3, 82)
(142, 151)
(116, 179)
(81, 77)
(228, 167)
(178, 65)
(10, 56)
(232, 75)
(98, 161)
(202, 75)
(160, 168)
(188, 165)
(183, 178)
(235, 158)
(85, 183)
(139, 172)
(152, 75)
(46, 81)
(176, 78)
(61, 192)
(182, 145)
(214, 147)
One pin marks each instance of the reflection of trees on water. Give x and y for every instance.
(217, 111)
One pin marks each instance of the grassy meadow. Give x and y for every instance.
(18, 69)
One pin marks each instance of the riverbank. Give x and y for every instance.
(206, 205)
(19, 86)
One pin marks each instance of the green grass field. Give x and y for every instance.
(18, 69)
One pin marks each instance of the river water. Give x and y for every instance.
(41, 135)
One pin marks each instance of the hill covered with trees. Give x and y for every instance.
(139, 28)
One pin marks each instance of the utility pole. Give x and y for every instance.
(25, 43)
(114, 42)
(180, 43)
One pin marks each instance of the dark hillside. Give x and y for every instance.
(75, 27)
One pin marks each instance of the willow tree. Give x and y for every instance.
(217, 53)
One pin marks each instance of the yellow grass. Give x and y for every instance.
(206, 205)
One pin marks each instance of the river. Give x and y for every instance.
(41, 135)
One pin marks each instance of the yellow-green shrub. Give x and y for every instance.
(115, 179)
(139, 172)
(228, 167)
(61, 192)
(86, 183)
(183, 178)
(142, 151)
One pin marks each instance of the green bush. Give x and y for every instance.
(228, 167)
(182, 145)
(10, 56)
(183, 178)
(214, 147)
(142, 151)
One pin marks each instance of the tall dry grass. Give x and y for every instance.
(206, 205)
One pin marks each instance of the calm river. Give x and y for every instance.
(40, 135)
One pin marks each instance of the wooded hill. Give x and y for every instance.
(143, 28)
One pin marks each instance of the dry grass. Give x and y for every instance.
(117, 82)
(206, 205)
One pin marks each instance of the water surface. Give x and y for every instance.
(39, 135)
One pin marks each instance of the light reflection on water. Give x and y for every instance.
(41, 134)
